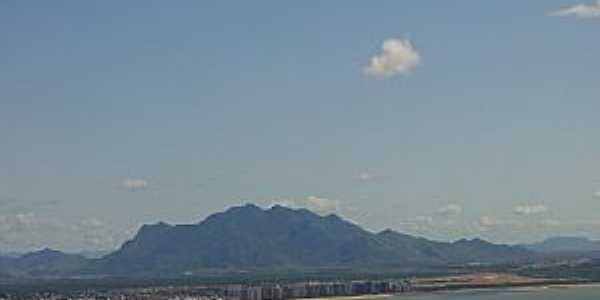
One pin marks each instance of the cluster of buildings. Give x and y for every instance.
(315, 290)
(267, 291)
(151, 293)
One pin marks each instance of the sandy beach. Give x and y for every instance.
(358, 297)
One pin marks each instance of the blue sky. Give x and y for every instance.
(115, 114)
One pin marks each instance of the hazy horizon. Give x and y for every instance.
(437, 119)
(95, 251)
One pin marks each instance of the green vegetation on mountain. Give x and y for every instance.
(251, 238)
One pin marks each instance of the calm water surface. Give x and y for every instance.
(551, 293)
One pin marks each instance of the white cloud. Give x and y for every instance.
(316, 204)
(365, 176)
(580, 10)
(134, 184)
(27, 231)
(450, 210)
(26, 219)
(597, 194)
(424, 219)
(527, 210)
(323, 204)
(398, 57)
(417, 221)
(487, 221)
(96, 234)
(551, 222)
(92, 223)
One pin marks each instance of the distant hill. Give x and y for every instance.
(46, 262)
(565, 245)
(248, 237)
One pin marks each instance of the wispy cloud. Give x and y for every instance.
(487, 221)
(424, 219)
(134, 184)
(591, 10)
(527, 210)
(398, 57)
(316, 204)
(551, 222)
(96, 234)
(26, 231)
(367, 176)
(450, 210)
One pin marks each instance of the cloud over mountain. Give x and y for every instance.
(450, 210)
(487, 221)
(25, 231)
(317, 204)
(530, 209)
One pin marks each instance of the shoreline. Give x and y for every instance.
(355, 297)
(500, 289)
(530, 286)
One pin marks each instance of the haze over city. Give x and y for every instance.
(438, 119)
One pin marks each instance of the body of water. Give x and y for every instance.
(548, 293)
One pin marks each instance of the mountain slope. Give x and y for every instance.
(427, 252)
(244, 237)
(46, 262)
(249, 237)
(564, 245)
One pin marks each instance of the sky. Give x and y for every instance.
(443, 119)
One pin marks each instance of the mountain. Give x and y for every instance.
(248, 238)
(46, 262)
(91, 254)
(565, 245)
(10, 254)
(463, 251)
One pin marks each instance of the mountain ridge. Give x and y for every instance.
(249, 237)
(564, 244)
(45, 262)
